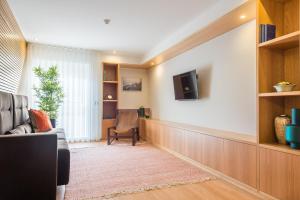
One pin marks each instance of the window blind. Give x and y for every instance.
(12, 50)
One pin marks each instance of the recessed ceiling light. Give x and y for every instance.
(242, 16)
(107, 21)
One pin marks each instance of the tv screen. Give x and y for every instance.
(186, 86)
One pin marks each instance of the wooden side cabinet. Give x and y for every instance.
(279, 174)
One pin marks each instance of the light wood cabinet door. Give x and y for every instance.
(240, 162)
(280, 174)
(212, 152)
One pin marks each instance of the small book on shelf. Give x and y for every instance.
(267, 32)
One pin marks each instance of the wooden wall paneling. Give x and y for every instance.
(296, 177)
(240, 162)
(194, 146)
(232, 158)
(106, 123)
(276, 177)
(212, 152)
(142, 128)
(168, 137)
(155, 133)
(12, 50)
(150, 135)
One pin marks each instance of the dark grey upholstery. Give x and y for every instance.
(21, 114)
(31, 164)
(6, 113)
(28, 166)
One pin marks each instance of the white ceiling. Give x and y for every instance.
(136, 26)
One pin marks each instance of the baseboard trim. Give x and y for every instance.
(219, 175)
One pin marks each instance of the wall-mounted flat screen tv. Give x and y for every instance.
(186, 86)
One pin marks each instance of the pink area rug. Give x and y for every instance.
(103, 172)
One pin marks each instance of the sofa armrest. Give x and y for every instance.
(28, 166)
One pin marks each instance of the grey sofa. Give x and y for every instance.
(31, 164)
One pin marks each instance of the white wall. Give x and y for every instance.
(226, 68)
(130, 99)
(210, 15)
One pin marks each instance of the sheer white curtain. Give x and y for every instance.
(79, 76)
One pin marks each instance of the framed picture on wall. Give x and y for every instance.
(132, 84)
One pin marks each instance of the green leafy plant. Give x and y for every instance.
(49, 93)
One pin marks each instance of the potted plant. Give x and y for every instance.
(49, 93)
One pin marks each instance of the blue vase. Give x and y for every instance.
(292, 131)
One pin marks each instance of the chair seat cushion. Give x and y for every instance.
(123, 131)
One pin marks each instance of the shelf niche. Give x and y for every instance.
(282, 13)
(278, 60)
(110, 87)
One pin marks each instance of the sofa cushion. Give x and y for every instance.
(21, 114)
(40, 120)
(59, 132)
(6, 112)
(22, 129)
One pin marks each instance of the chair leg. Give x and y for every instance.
(133, 138)
(108, 137)
(116, 136)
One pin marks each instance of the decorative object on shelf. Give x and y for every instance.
(280, 123)
(292, 131)
(141, 111)
(284, 86)
(109, 97)
(132, 84)
(267, 32)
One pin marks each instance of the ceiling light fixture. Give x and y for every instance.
(107, 21)
(242, 16)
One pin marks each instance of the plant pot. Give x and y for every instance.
(53, 122)
(141, 112)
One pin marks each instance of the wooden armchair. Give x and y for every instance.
(126, 127)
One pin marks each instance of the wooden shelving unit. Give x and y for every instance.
(277, 60)
(284, 42)
(110, 82)
(279, 94)
(110, 89)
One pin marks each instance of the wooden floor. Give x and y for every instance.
(210, 190)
